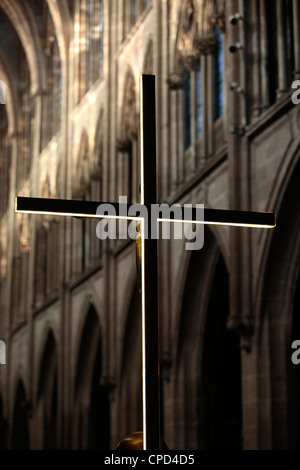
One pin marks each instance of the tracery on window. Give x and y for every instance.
(89, 44)
(132, 10)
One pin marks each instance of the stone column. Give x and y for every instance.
(34, 189)
(14, 139)
(282, 78)
(241, 316)
(175, 84)
(263, 53)
(254, 42)
(296, 16)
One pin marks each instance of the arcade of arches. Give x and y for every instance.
(69, 303)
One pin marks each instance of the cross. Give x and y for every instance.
(148, 258)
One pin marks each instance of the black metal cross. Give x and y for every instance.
(149, 295)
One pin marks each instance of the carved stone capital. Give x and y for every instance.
(191, 61)
(109, 384)
(219, 22)
(123, 145)
(205, 45)
(244, 327)
(165, 366)
(174, 81)
(96, 173)
(218, 18)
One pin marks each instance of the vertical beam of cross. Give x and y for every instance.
(150, 365)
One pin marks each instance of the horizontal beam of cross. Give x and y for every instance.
(90, 209)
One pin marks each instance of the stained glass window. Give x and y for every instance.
(198, 93)
(218, 77)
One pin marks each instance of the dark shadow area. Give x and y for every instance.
(221, 371)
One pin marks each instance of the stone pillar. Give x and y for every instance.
(174, 82)
(14, 139)
(282, 79)
(162, 114)
(36, 146)
(296, 16)
(241, 316)
(254, 41)
(263, 53)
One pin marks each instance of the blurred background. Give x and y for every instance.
(227, 137)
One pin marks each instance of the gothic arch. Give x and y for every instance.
(49, 331)
(98, 148)
(212, 243)
(130, 380)
(62, 23)
(3, 427)
(91, 415)
(11, 101)
(148, 59)
(207, 258)
(276, 310)
(87, 306)
(19, 376)
(206, 282)
(129, 121)
(220, 381)
(47, 393)
(22, 20)
(20, 439)
(81, 176)
(128, 168)
(277, 194)
(129, 290)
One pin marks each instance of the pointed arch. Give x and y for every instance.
(213, 244)
(22, 20)
(7, 125)
(91, 428)
(11, 94)
(278, 193)
(127, 145)
(277, 322)
(47, 392)
(3, 427)
(81, 173)
(62, 22)
(148, 58)
(130, 395)
(20, 429)
(200, 330)
(220, 382)
(129, 120)
(98, 148)
(206, 260)
(55, 67)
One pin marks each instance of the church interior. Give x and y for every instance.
(227, 136)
